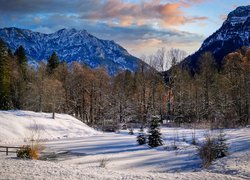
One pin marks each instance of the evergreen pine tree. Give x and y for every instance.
(141, 138)
(53, 63)
(5, 97)
(21, 56)
(154, 138)
(221, 147)
(21, 83)
(10, 53)
(21, 60)
(131, 131)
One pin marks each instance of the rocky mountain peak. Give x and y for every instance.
(241, 11)
(71, 45)
(233, 34)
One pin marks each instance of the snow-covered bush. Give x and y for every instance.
(213, 148)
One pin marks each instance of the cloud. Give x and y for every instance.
(115, 11)
(127, 13)
(146, 39)
(139, 26)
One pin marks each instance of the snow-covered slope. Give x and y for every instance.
(233, 34)
(17, 126)
(71, 45)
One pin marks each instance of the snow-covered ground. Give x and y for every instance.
(13, 169)
(125, 159)
(20, 126)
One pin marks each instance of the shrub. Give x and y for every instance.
(213, 148)
(35, 151)
(207, 151)
(30, 152)
(24, 152)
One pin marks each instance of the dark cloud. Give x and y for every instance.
(37, 6)
(125, 13)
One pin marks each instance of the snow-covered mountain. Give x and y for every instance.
(71, 45)
(233, 34)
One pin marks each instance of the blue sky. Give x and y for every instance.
(141, 27)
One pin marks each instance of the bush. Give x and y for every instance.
(24, 152)
(207, 151)
(35, 151)
(213, 148)
(29, 152)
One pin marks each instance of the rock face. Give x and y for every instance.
(233, 34)
(71, 45)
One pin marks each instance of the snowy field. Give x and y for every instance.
(82, 150)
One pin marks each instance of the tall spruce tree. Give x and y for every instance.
(19, 85)
(53, 63)
(154, 138)
(10, 53)
(5, 96)
(21, 56)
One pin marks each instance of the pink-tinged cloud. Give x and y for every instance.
(189, 3)
(126, 14)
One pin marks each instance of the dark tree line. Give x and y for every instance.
(219, 96)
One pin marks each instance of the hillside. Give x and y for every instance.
(20, 126)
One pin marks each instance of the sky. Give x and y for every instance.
(140, 26)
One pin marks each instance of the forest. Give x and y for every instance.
(217, 96)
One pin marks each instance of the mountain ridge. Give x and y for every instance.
(71, 45)
(232, 35)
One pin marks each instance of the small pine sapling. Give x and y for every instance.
(194, 138)
(222, 147)
(154, 138)
(141, 138)
(131, 131)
